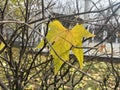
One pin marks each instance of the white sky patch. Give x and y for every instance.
(69, 6)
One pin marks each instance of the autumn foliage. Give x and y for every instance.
(62, 40)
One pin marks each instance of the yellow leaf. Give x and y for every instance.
(57, 63)
(79, 32)
(62, 51)
(62, 39)
(79, 55)
(1, 45)
(58, 34)
(56, 28)
(40, 45)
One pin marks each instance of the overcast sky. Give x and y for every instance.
(69, 6)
